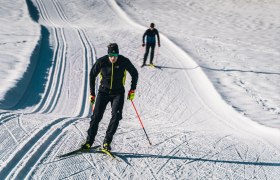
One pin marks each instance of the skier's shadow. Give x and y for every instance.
(170, 67)
(126, 156)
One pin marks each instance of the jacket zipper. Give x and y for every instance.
(112, 76)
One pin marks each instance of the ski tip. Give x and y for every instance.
(149, 65)
(109, 153)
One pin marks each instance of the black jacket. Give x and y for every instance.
(113, 75)
(151, 36)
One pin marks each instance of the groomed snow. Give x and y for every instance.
(215, 83)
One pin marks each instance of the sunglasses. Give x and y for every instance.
(113, 55)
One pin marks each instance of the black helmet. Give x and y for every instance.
(113, 48)
(152, 25)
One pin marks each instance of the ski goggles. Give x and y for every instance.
(113, 55)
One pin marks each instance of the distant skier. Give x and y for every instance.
(151, 34)
(112, 69)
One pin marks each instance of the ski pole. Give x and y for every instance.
(141, 122)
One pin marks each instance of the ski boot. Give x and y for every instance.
(86, 146)
(107, 146)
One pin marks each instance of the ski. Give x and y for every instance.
(79, 151)
(95, 149)
(155, 66)
(150, 65)
(108, 153)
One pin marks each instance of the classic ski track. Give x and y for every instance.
(53, 93)
(2, 113)
(60, 144)
(47, 155)
(56, 85)
(52, 84)
(88, 54)
(8, 118)
(49, 87)
(27, 155)
(19, 165)
(85, 91)
(20, 154)
(38, 152)
(60, 75)
(57, 76)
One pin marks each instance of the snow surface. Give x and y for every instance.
(237, 43)
(217, 81)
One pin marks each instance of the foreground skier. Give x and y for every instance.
(112, 68)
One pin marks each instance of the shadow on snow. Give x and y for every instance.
(237, 70)
(125, 156)
(28, 90)
(170, 67)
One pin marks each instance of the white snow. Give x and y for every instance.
(19, 36)
(211, 109)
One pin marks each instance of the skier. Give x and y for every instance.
(112, 68)
(151, 34)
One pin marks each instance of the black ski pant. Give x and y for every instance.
(117, 101)
(148, 46)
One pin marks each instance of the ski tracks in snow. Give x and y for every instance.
(21, 161)
(61, 74)
(182, 147)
